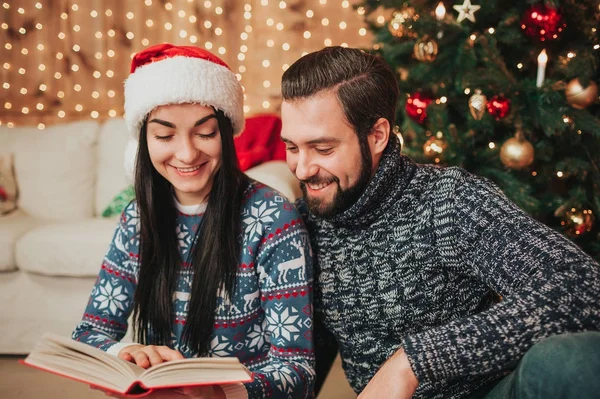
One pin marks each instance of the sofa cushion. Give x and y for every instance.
(277, 175)
(12, 227)
(56, 170)
(110, 179)
(66, 249)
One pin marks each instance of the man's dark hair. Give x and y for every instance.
(365, 85)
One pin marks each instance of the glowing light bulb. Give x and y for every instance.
(440, 11)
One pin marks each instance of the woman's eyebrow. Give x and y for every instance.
(172, 125)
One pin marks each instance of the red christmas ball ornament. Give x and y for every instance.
(498, 107)
(416, 107)
(542, 23)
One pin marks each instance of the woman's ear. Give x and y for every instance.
(379, 137)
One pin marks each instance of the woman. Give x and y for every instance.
(209, 262)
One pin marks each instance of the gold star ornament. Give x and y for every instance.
(466, 10)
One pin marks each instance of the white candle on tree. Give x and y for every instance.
(440, 11)
(440, 14)
(541, 72)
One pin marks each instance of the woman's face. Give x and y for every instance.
(184, 143)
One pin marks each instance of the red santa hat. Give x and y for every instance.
(167, 74)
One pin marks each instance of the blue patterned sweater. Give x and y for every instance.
(268, 322)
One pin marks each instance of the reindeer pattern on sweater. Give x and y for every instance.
(267, 323)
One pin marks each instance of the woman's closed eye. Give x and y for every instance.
(206, 135)
(163, 138)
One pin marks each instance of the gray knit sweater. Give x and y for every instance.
(411, 265)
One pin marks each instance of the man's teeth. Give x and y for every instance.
(318, 186)
(187, 170)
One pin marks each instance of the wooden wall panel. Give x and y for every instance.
(64, 60)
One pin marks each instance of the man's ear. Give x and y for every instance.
(379, 136)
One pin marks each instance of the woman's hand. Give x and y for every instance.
(148, 355)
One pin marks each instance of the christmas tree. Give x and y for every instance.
(506, 90)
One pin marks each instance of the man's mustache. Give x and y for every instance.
(316, 180)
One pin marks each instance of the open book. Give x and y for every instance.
(81, 362)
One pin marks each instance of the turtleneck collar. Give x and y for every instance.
(392, 176)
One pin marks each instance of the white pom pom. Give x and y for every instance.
(131, 150)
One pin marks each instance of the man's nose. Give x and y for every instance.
(305, 168)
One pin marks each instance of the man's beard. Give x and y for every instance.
(342, 199)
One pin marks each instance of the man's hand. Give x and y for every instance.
(203, 392)
(148, 355)
(394, 380)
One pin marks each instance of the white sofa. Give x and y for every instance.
(52, 247)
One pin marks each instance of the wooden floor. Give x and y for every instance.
(21, 382)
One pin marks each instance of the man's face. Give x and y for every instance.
(324, 153)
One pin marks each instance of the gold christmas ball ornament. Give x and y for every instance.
(581, 97)
(401, 22)
(576, 221)
(435, 147)
(477, 104)
(426, 49)
(517, 153)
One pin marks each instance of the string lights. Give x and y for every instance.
(72, 63)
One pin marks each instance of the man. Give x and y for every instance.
(429, 280)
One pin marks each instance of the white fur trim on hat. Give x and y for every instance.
(180, 80)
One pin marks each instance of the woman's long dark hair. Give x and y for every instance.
(213, 257)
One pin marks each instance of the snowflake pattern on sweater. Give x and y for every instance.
(268, 322)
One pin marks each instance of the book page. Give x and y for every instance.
(82, 362)
(195, 371)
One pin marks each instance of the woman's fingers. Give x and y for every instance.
(168, 354)
(150, 355)
(141, 358)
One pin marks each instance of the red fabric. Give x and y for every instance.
(165, 50)
(260, 141)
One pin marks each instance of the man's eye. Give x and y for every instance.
(292, 149)
(325, 151)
